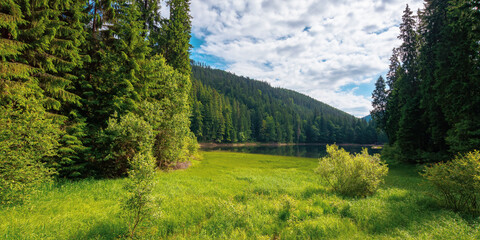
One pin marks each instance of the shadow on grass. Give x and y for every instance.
(309, 192)
(103, 230)
(401, 204)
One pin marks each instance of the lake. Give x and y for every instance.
(310, 151)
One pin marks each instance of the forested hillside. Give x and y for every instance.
(429, 104)
(228, 108)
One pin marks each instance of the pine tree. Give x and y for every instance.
(150, 15)
(434, 30)
(379, 103)
(174, 39)
(39, 47)
(392, 111)
(411, 131)
(459, 73)
(41, 42)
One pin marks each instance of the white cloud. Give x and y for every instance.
(311, 46)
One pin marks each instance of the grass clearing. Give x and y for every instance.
(242, 196)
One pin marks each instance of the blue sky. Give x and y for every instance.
(331, 50)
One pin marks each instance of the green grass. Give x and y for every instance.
(241, 196)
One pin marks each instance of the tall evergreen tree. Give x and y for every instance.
(379, 103)
(174, 39)
(459, 74)
(434, 30)
(150, 15)
(411, 131)
(41, 42)
(392, 111)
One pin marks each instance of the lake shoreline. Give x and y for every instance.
(256, 144)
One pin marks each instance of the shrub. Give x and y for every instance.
(457, 182)
(125, 138)
(28, 139)
(173, 140)
(352, 175)
(139, 204)
(132, 140)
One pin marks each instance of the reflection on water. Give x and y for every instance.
(310, 151)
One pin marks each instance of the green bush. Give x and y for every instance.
(352, 175)
(139, 205)
(126, 137)
(28, 140)
(457, 182)
(132, 140)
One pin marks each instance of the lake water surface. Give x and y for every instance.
(310, 151)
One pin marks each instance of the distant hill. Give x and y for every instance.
(367, 118)
(230, 108)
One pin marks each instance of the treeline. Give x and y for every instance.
(431, 107)
(228, 109)
(81, 80)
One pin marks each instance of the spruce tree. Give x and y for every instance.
(392, 108)
(379, 103)
(434, 30)
(39, 48)
(41, 45)
(174, 39)
(411, 132)
(459, 74)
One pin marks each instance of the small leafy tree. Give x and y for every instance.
(131, 151)
(352, 175)
(139, 204)
(457, 182)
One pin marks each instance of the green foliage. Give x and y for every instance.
(228, 108)
(71, 162)
(74, 75)
(29, 137)
(379, 103)
(138, 204)
(126, 75)
(40, 43)
(457, 182)
(174, 37)
(433, 103)
(126, 138)
(130, 151)
(352, 175)
(167, 111)
(47, 49)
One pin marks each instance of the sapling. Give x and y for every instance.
(139, 204)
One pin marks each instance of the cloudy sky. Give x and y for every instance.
(331, 50)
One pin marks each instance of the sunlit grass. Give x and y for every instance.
(242, 196)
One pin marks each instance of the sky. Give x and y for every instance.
(331, 50)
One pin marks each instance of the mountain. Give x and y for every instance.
(230, 108)
(367, 118)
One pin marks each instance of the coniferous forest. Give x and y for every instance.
(85, 86)
(429, 105)
(227, 108)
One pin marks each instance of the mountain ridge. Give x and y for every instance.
(260, 112)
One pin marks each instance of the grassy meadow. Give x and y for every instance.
(241, 196)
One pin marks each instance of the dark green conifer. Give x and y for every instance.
(379, 103)
(174, 39)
